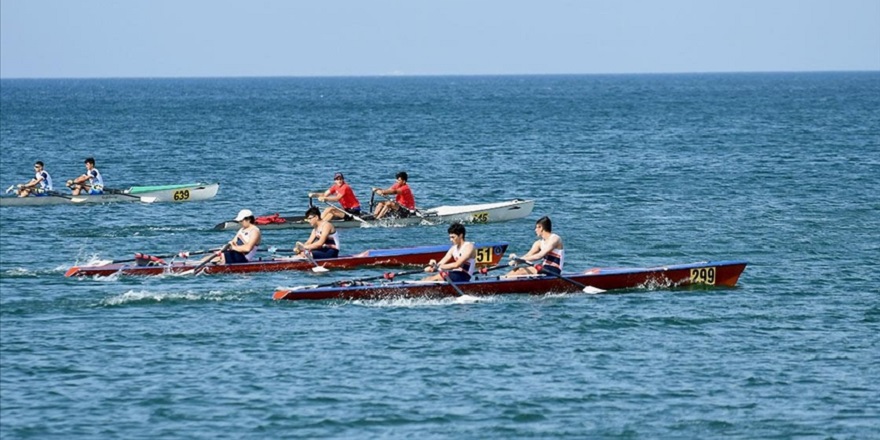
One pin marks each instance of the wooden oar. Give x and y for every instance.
(198, 269)
(82, 198)
(182, 254)
(346, 212)
(415, 212)
(387, 275)
(445, 275)
(485, 270)
(584, 288)
(308, 254)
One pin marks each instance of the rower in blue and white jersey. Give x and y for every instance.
(323, 242)
(459, 261)
(39, 185)
(548, 247)
(92, 182)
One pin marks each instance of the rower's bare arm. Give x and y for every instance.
(534, 253)
(446, 258)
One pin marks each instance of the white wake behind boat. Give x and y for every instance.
(479, 213)
(146, 194)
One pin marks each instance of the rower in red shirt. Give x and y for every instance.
(342, 193)
(403, 205)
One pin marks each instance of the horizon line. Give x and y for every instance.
(437, 75)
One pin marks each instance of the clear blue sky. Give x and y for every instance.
(186, 38)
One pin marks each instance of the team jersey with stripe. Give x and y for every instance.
(555, 258)
(96, 181)
(468, 266)
(46, 183)
(332, 241)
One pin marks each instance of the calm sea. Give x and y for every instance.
(782, 170)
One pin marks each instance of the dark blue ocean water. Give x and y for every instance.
(782, 170)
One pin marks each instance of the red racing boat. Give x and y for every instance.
(489, 253)
(708, 273)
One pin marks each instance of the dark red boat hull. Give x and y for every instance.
(711, 273)
(489, 253)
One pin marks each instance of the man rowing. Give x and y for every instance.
(342, 193)
(39, 185)
(243, 247)
(548, 246)
(91, 182)
(459, 261)
(323, 242)
(403, 205)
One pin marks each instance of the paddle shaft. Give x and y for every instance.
(415, 212)
(346, 212)
(201, 252)
(384, 275)
(198, 269)
(448, 279)
(545, 272)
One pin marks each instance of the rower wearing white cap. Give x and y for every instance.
(243, 247)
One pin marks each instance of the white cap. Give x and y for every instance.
(244, 213)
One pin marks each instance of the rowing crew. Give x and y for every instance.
(41, 185)
(458, 264)
(403, 205)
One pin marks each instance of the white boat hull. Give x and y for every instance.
(480, 213)
(189, 193)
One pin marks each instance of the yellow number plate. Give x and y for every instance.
(485, 255)
(180, 196)
(703, 275)
(480, 217)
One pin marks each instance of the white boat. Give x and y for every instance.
(480, 213)
(145, 194)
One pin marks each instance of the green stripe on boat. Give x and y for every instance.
(144, 189)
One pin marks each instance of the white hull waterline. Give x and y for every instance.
(145, 194)
(479, 213)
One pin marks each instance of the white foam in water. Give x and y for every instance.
(136, 296)
(19, 271)
(421, 302)
(112, 277)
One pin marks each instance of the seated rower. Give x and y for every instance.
(243, 247)
(459, 261)
(402, 205)
(339, 192)
(91, 182)
(548, 246)
(323, 242)
(39, 185)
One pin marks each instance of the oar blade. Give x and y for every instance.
(592, 290)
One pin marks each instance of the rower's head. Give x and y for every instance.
(245, 215)
(90, 162)
(312, 215)
(543, 225)
(456, 233)
(339, 178)
(401, 176)
(38, 165)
